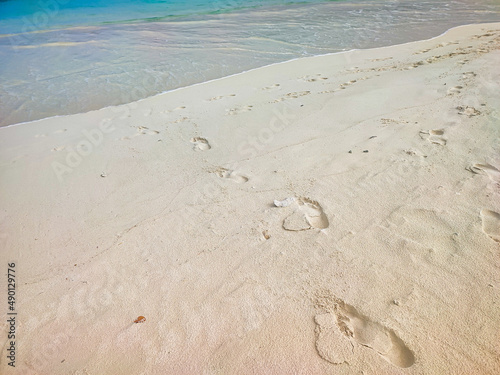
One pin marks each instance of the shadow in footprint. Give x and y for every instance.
(487, 169)
(232, 175)
(468, 111)
(200, 144)
(491, 224)
(272, 87)
(308, 215)
(434, 136)
(373, 335)
(331, 344)
(238, 110)
(454, 90)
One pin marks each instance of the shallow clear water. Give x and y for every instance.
(62, 58)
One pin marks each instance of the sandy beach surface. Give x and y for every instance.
(336, 214)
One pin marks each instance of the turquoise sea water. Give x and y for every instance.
(69, 56)
(25, 15)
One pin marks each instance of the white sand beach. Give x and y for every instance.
(337, 214)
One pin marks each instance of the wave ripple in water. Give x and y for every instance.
(110, 59)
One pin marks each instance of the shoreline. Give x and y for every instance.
(250, 70)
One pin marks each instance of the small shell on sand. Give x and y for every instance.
(140, 319)
(285, 202)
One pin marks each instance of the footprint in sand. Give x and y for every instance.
(331, 344)
(382, 59)
(434, 136)
(413, 152)
(276, 86)
(482, 36)
(468, 111)
(415, 65)
(292, 95)
(308, 214)
(175, 109)
(345, 84)
(468, 75)
(454, 90)
(60, 131)
(231, 175)
(237, 111)
(143, 130)
(359, 329)
(491, 224)
(179, 120)
(200, 144)
(488, 169)
(220, 97)
(423, 51)
(313, 78)
(295, 95)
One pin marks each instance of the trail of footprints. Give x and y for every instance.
(485, 47)
(337, 332)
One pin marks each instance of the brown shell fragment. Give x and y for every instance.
(140, 319)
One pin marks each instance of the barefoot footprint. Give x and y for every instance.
(491, 224)
(434, 136)
(237, 111)
(231, 175)
(360, 329)
(308, 215)
(468, 111)
(142, 130)
(331, 344)
(220, 97)
(292, 95)
(313, 78)
(276, 86)
(200, 144)
(487, 169)
(454, 90)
